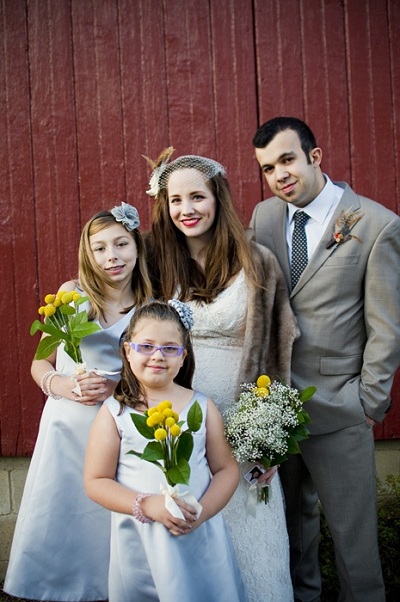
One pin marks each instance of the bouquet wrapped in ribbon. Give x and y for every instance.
(170, 448)
(265, 424)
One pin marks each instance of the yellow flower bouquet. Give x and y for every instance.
(63, 323)
(266, 422)
(170, 447)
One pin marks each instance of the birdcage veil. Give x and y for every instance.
(160, 175)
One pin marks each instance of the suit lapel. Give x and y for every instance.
(280, 246)
(349, 201)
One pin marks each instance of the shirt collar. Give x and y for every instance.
(321, 206)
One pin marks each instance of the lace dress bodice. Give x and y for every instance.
(218, 336)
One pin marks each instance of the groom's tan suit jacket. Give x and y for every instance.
(347, 303)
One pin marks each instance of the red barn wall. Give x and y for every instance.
(88, 87)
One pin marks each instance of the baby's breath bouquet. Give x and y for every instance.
(266, 422)
(63, 323)
(170, 449)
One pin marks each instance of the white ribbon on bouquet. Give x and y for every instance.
(81, 369)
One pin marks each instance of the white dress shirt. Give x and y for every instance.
(320, 211)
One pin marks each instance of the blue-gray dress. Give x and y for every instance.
(148, 564)
(60, 549)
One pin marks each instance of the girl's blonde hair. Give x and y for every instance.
(93, 280)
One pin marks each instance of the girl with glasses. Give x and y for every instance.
(156, 556)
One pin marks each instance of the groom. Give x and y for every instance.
(340, 253)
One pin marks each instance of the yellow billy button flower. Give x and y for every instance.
(67, 298)
(167, 413)
(41, 310)
(49, 310)
(60, 294)
(76, 297)
(151, 411)
(261, 391)
(170, 421)
(160, 434)
(164, 405)
(263, 381)
(157, 418)
(57, 302)
(49, 298)
(175, 430)
(176, 416)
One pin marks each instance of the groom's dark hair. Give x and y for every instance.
(267, 132)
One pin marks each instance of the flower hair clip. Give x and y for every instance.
(127, 215)
(344, 224)
(184, 311)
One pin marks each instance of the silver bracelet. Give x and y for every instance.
(137, 508)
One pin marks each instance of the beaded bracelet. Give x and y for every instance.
(137, 508)
(43, 381)
(48, 384)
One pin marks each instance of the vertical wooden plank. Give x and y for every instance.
(144, 95)
(279, 62)
(53, 151)
(235, 99)
(394, 46)
(191, 121)
(371, 119)
(20, 400)
(325, 83)
(98, 105)
(53, 143)
(390, 429)
(279, 58)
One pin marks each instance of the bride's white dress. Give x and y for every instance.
(260, 541)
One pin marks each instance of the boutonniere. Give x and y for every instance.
(344, 224)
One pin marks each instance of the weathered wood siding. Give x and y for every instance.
(88, 86)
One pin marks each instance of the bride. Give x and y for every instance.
(244, 327)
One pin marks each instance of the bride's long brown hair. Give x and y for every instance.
(172, 268)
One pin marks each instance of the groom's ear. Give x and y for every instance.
(316, 156)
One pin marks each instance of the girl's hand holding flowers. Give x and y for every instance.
(154, 508)
(94, 388)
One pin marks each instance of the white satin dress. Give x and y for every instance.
(260, 541)
(60, 550)
(148, 564)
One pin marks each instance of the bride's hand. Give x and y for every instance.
(268, 475)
